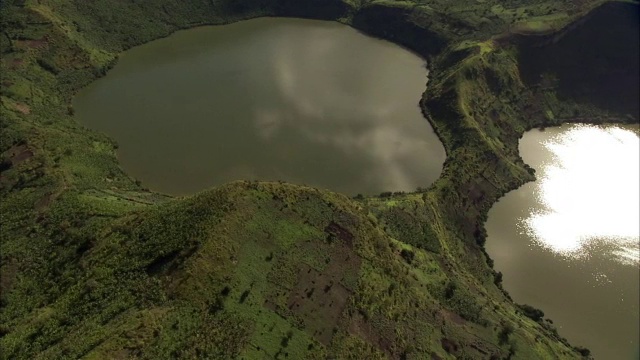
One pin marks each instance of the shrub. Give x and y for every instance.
(506, 331)
(407, 255)
(531, 312)
(583, 351)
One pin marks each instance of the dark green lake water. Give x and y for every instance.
(568, 243)
(304, 101)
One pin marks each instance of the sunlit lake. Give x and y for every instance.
(569, 243)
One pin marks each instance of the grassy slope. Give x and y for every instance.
(93, 265)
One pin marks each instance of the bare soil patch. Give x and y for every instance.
(18, 153)
(319, 299)
(23, 108)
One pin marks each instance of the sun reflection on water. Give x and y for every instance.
(589, 194)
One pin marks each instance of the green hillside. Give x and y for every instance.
(95, 266)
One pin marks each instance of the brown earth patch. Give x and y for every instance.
(18, 153)
(362, 328)
(120, 354)
(453, 317)
(320, 293)
(335, 230)
(343, 262)
(26, 155)
(319, 299)
(34, 44)
(23, 108)
(16, 63)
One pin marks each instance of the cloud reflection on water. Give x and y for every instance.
(302, 101)
(330, 111)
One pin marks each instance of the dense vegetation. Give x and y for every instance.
(93, 265)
